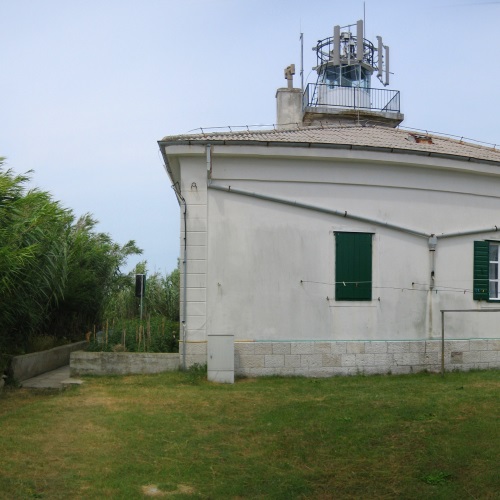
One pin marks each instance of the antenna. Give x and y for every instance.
(302, 61)
(364, 19)
(380, 47)
(336, 45)
(382, 61)
(386, 65)
(359, 41)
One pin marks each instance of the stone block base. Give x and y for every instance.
(326, 359)
(196, 353)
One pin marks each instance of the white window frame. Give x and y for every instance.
(497, 264)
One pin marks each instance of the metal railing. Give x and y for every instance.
(336, 96)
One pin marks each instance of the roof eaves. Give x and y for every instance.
(325, 145)
(469, 159)
(381, 149)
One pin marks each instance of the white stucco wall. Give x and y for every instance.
(264, 271)
(193, 186)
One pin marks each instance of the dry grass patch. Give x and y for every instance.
(152, 490)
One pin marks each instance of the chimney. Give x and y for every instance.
(289, 103)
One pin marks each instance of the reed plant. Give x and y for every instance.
(58, 273)
(161, 298)
(154, 334)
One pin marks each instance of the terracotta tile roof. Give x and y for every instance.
(352, 137)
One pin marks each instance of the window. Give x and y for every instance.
(347, 76)
(353, 266)
(486, 272)
(493, 271)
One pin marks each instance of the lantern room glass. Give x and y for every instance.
(347, 76)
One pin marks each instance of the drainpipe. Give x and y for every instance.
(432, 249)
(184, 293)
(208, 151)
(177, 190)
(470, 232)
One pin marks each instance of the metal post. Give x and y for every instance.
(442, 343)
(140, 281)
(302, 61)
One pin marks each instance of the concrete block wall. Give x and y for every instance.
(30, 365)
(122, 363)
(196, 353)
(325, 359)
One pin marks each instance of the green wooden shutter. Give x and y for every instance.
(353, 266)
(481, 270)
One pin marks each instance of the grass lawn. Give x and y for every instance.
(178, 436)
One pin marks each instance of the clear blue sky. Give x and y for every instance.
(87, 87)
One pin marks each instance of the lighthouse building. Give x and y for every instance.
(337, 242)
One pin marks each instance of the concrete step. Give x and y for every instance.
(55, 379)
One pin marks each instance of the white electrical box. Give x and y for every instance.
(220, 358)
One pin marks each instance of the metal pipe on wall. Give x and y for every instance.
(339, 213)
(468, 233)
(184, 293)
(208, 152)
(182, 201)
(432, 249)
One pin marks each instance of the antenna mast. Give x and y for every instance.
(364, 20)
(302, 61)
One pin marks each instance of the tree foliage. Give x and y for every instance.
(94, 276)
(57, 273)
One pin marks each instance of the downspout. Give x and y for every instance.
(177, 190)
(432, 249)
(184, 292)
(182, 201)
(208, 151)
